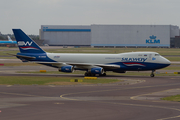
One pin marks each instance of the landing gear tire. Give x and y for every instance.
(93, 74)
(152, 75)
(86, 74)
(104, 74)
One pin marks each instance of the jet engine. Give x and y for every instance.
(68, 68)
(97, 70)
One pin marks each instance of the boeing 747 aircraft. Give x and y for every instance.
(91, 63)
(8, 42)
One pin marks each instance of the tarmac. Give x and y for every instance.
(140, 101)
(137, 98)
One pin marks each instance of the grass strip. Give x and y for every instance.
(172, 98)
(30, 80)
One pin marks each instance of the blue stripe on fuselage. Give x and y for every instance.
(148, 66)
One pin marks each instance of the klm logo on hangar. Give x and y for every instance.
(152, 40)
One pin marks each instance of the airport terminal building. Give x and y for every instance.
(110, 35)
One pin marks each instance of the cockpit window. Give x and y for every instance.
(157, 55)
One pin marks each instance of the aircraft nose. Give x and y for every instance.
(166, 61)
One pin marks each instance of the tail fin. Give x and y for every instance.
(26, 44)
(9, 38)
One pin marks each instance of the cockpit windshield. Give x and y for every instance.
(157, 54)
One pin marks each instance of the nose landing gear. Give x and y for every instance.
(152, 74)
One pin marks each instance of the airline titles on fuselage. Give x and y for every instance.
(134, 59)
(130, 59)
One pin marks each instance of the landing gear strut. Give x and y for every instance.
(86, 74)
(152, 74)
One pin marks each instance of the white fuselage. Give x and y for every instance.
(109, 58)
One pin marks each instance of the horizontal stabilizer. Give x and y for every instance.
(23, 57)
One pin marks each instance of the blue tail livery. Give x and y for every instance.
(26, 44)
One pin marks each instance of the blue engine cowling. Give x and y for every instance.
(66, 69)
(97, 70)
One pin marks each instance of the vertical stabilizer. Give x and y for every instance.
(26, 44)
(9, 38)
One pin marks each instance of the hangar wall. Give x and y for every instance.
(66, 35)
(133, 35)
(109, 35)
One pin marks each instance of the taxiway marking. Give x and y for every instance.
(138, 105)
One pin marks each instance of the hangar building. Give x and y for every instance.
(110, 35)
(66, 35)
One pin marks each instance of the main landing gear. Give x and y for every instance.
(104, 74)
(91, 74)
(152, 73)
(88, 74)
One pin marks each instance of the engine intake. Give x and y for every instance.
(97, 70)
(66, 69)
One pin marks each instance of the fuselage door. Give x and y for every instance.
(150, 56)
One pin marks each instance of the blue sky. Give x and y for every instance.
(29, 15)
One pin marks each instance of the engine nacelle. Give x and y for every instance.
(97, 70)
(68, 68)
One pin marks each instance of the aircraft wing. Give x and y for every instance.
(110, 66)
(81, 65)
